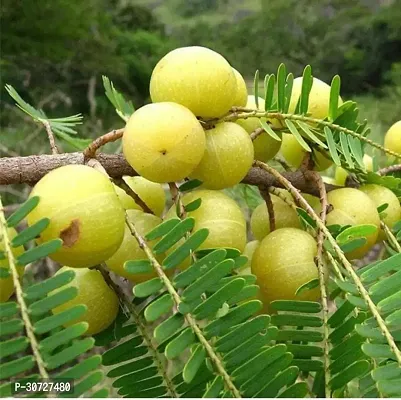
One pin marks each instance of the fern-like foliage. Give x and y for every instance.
(34, 344)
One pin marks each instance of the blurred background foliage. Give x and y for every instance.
(55, 51)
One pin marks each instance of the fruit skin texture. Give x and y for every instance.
(381, 195)
(197, 78)
(341, 174)
(151, 193)
(6, 284)
(392, 140)
(228, 156)
(319, 97)
(265, 146)
(283, 262)
(130, 250)
(220, 215)
(84, 211)
(353, 207)
(95, 294)
(285, 217)
(163, 142)
(241, 94)
(294, 154)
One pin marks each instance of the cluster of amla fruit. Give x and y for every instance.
(166, 142)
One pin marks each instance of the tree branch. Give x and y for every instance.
(30, 169)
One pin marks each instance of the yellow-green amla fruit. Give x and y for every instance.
(285, 217)
(319, 98)
(341, 174)
(392, 140)
(227, 158)
(294, 154)
(93, 292)
(283, 262)
(197, 78)
(353, 207)
(84, 212)
(220, 215)
(130, 249)
(163, 142)
(151, 193)
(7, 284)
(241, 95)
(265, 146)
(381, 195)
(249, 251)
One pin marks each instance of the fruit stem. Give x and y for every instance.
(347, 265)
(392, 239)
(270, 209)
(248, 113)
(20, 298)
(50, 136)
(112, 136)
(388, 170)
(190, 320)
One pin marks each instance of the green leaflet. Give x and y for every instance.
(168, 327)
(159, 307)
(307, 82)
(194, 205)
(38, 252)
(12, 346)
(162, 229)
(334, 95)
(332, 146)
(281, 78)
(22, 211)
(269, 85)
(297, 306)
(353, 371)
(30, 233)
(41, 289)
(381, 269)
(345, 150)
(119, 353)
(15, 367)
(148, 288)
(194, 363)
(138, 266)
(256, 88)
(63, 337)
(355, 232)
(293, 129)
(174, 235)
(268, 129)
(189, 185)
(286, 377)
(179, 344)
(215, 388)
(288, 91)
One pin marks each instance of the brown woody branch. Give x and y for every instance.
(112, 136)
(30, 169)
(390, 169)
(264, 191)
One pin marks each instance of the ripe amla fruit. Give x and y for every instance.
(283, 262)
(294, 154)
(163, 142)
(285, 217)
(319, 98)
(220, 215)
(392, 140)
(341, 174)
(84, 212)
(241, 95)
(249, 251)
(228, 156)
(265, 146)
(197, 78)
(130, 250)
(353, 207)
(151, 193)
(7, 284)
(381, 195)
(94, 293)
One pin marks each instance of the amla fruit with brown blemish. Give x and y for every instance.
(84, 211)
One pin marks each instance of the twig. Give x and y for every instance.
(115, 134)
(391, 238)
(128, 306)
(347, 265)
(257, 132)
(176, 197)
(20, 298)
(123, 185)
(50, 136)
(282, 162)
(270, 208)
(190, 320)
(390, 169)
(249, 113)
